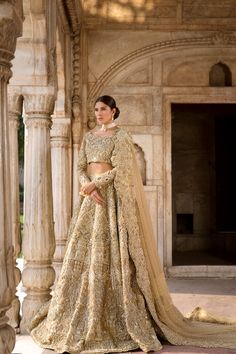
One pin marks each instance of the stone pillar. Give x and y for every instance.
(61, 187)
(14, 111)
(10, 28)
(38, 241)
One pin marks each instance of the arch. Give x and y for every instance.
(217, 40)
(220, 75)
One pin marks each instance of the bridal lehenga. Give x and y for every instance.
(111, 295)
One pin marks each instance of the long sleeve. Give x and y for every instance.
(120, 159)
(82, 164)
(105, 178)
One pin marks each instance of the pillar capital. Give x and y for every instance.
(39, 105)
(60, 133)
(11, 18)
(5, 71)
(43, 122)
(60, 129)
(14, 109)
(14, 104)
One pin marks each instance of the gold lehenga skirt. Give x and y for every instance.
(97, 305)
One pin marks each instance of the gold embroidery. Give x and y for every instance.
(108, 299)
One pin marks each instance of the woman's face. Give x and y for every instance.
(103, 113)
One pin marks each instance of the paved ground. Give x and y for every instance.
(215, 295)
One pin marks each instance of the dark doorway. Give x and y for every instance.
(225, 146)
(204, 184)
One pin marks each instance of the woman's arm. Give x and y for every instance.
(120, 159)
(82, 164)
(105, 178)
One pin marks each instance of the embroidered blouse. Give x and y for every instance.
(95, 148)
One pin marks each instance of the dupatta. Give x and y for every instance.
(200, 328)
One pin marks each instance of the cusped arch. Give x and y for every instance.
(220, 75)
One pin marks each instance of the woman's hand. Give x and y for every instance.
(97, 198)
(88, 188)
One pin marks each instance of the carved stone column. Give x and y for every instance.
(61, 187)
(14, 111)
(10, 29)
(38, 241)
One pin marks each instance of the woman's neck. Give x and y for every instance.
(108, 125)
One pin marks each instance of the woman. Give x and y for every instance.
(111, 295)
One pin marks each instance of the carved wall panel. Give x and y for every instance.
(209, 9)
(140, 74)
(189, 70)
(136, 109)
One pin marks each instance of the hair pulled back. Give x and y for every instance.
(109, 101)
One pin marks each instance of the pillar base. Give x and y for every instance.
(7, 339)
(29, 310)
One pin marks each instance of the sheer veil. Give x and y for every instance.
(200, 328)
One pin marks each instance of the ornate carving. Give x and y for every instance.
(118, 66)
(8, 35)
(165, 12)
(5, 71)
(60, 131)
(76, 66)
(223, 38)
(76, 122)
(15, 102)
(39, 105)
(38, 122)
(73, 10)
(10, 29)
(76, 100)
(60, 135)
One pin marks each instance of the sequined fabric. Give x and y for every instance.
(111, 295)
(97, 305)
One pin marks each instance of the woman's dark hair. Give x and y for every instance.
(109, 101)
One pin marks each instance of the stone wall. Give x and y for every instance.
(148, 58)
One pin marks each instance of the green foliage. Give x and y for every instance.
(21, 138)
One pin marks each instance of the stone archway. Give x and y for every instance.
(141, 83)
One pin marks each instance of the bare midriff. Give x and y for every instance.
(95, 168)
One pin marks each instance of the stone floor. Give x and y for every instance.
(215, 295)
